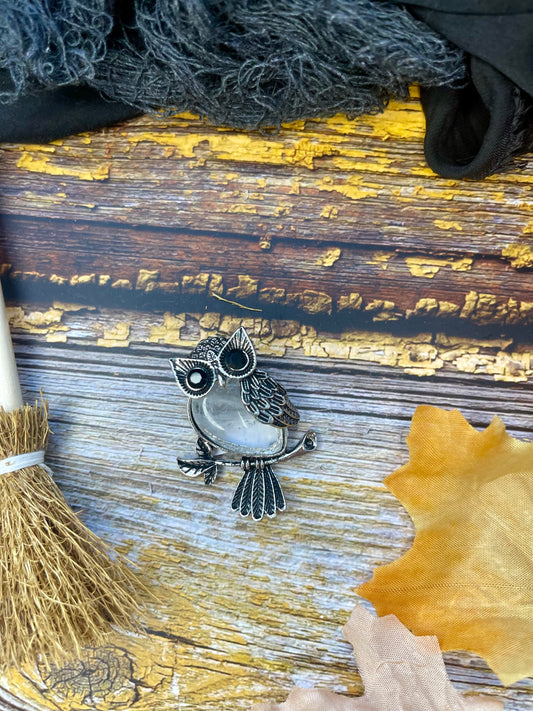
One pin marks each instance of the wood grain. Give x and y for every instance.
(366, 180)
(245, 611)
(369, 285)
(284, 279)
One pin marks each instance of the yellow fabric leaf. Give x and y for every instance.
(468, 577)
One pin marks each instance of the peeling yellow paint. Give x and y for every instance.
(81, 279)
(147, 279)
(122, 284)
(420, 359)
(295, 187)
(73, 308)
(196, 284)
(526, 311)
(528, 229)
(520, 255)
(428, 267)
(353, 187)
(45, 322)
(30, 275)
(312, 302)
(209, 322)
(56, 337)
(382, 310)
(242, 208)
(216, 284)
(243, 147)
(366, 164)
(42, 164)
(329, 257)
(330, 212)
(478, 307)
(448, 225)
(399, 121)
(273, 295)
(282, 210)
(116, 336)
(489, 308)
(56, 279)
(169, 331)
(420, 267)
(448, 309)
(247, 287)
(305, 152)
(44, 148)
(426, 307)
(350, 302)
(336, 349)
(265, 242)
(381, 259)
(470, 304)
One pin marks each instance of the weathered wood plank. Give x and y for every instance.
(232, 625)
(417, 353)
(352, 283)
(362, 180)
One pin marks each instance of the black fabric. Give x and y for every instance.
(505, 41)
(479, 7)
(474, 130)
(55, 113)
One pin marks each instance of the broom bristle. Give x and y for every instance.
(59, 588)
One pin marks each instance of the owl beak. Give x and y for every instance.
(222, 380)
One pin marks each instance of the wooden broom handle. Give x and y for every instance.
(10, 392)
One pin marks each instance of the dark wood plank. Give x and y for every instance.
(290, 279)
(362, 181)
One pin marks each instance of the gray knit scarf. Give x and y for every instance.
(242, 63)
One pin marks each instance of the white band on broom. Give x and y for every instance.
(21, 461)
(60, 589)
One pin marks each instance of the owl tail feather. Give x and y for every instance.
(259, 491)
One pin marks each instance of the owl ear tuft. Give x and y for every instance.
(195, 377)
(237, 359)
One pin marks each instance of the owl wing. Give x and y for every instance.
(267, 400)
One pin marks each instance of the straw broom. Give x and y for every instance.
(59, 588)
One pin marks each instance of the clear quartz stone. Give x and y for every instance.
(222, 418)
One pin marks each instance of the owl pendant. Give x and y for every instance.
(240, 411)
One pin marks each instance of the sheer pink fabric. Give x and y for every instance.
(400, 672)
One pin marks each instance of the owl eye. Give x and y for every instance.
(195, 377)
(237, 359)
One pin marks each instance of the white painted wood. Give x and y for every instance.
(10, 392)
